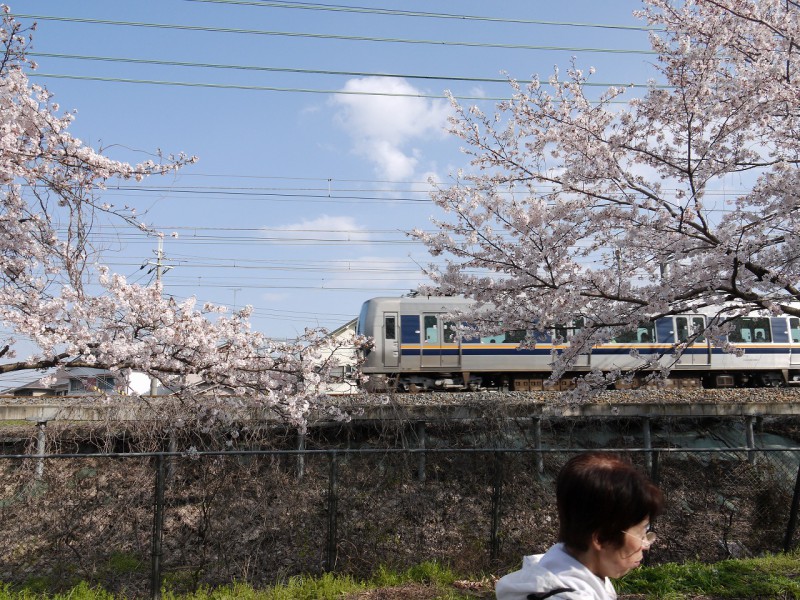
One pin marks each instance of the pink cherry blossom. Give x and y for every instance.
(51, 188)
(618, 209)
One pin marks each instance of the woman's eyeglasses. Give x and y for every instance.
(647, 539)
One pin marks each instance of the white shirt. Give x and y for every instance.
(550, 571)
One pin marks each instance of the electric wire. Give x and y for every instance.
(258, 68)
(256, 88)
(409, 13)
(331, 36)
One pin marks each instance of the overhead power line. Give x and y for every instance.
(285, 195)
(257, 68)
(410, 13)
(257, 88)
(329, 36)
(172, 63)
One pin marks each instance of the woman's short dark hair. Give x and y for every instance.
(602, 493)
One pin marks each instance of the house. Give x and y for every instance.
(342, 381)
(82, 381)
(86, 381)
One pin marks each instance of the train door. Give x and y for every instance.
(698, 352)
(563, 334)
(439, 342)
(794, 338)
(391, 348)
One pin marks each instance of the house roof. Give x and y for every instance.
(62, 375)
(349, 326)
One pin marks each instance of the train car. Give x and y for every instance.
(417, 347)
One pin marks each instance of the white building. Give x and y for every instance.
(82, 381)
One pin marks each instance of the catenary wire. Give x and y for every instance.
(409, 13)
(256, 88)
(330, 36)
(258, 68)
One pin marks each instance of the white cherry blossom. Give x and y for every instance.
(50, 192)
(618, 210)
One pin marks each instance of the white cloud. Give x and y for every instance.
(385, 127)
(374, 272)
(337, 228)
(478, 92)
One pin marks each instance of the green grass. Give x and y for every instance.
(333, 587)
(775, 576)
(82, 591)
(325, 587)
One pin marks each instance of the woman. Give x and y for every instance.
(605, 507)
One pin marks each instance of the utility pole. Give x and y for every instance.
(159, 261)
(234, 297)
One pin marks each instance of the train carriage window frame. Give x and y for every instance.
(562, 334)
(430, 329)
(449, 332)
(686, 323)
(794, 330)
(750, 330)
(645, 333)
(437, 331)
(390, 327)
(515, 336)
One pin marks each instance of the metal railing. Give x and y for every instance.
(275, 513)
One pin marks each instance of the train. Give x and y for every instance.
(416, 347)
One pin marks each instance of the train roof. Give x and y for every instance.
(423, 302)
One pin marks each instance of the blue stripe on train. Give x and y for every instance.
(595, 351)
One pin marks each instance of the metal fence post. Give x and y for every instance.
(790, 527)
(158, 529)
(300, 465)
(172, 447)
(655, 474)
(41, 438)
(333, 502)
(537, 441)
(750, 439)
(497, 497)
(421, 442)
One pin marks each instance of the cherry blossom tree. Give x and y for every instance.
(56, 294)
(617, 211)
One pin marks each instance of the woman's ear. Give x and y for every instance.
(595, 542)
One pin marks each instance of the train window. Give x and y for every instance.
(469, 337)
(699, 326)
(516, 336)
(750, 330)
(646, 334)
(563, 333)
(690, 327)
(431, 332)
(449, 330)
(509, 337)
(643, 334)
(624, 337)
(794, 325)
(390, 328)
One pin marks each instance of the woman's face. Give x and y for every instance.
(615, 561)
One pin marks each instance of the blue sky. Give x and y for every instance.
(300, 199)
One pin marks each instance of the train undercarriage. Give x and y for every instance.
(524, 382)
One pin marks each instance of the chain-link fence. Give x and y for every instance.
(262, 508)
